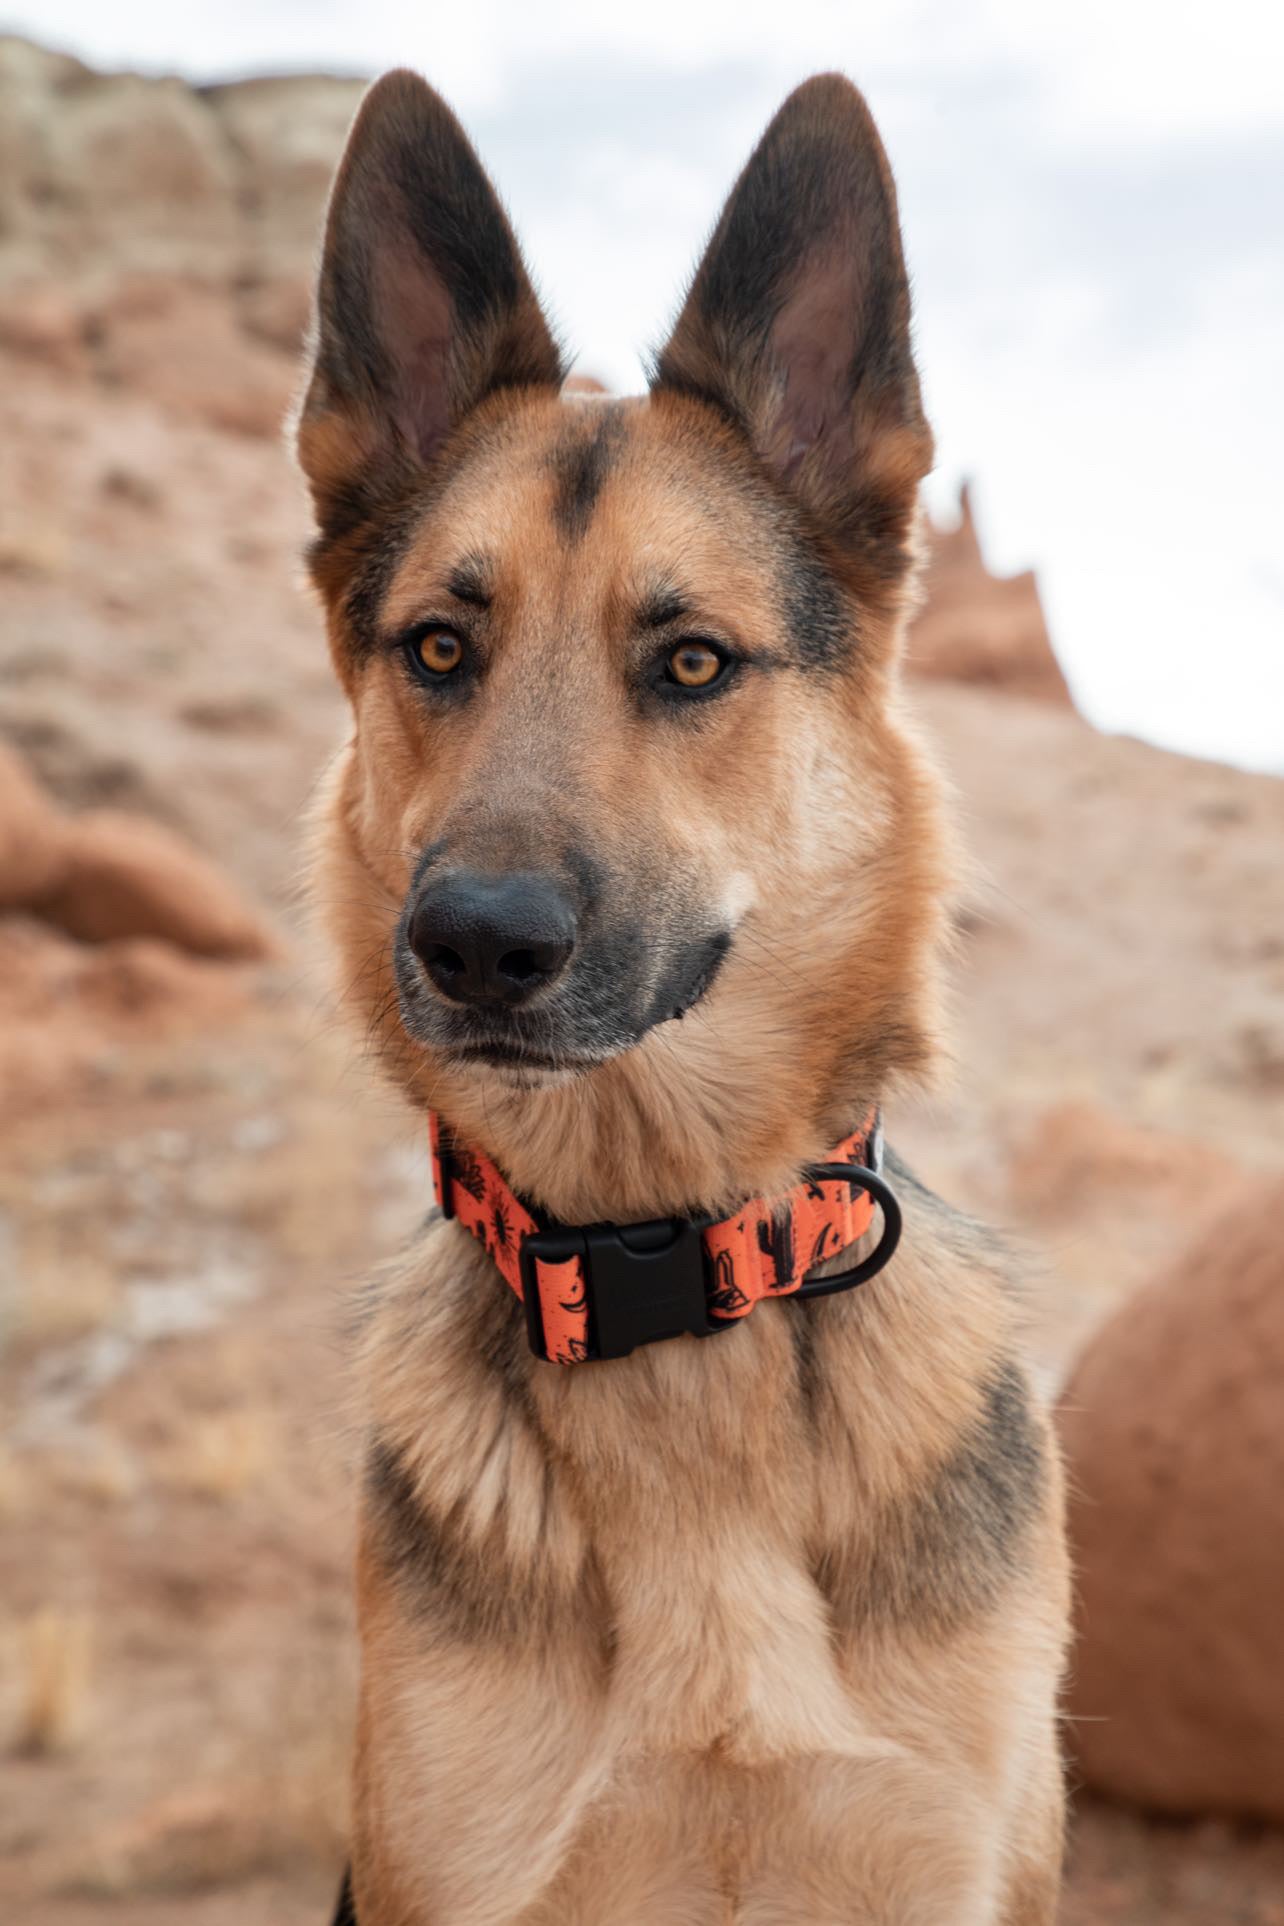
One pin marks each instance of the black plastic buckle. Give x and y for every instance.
(642, 1282)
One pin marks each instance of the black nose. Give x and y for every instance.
(492, 939)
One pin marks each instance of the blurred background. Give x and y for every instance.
(195, 1163)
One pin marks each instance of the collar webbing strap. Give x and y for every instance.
(599, 1290)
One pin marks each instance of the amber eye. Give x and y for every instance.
(437, 652)
(695, 665)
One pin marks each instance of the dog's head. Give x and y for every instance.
(623, 671)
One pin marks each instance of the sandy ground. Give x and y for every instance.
(184, 1219)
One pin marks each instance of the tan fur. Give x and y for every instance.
(761, 1630)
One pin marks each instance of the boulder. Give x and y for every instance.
(129, 877)
(35, 838)
(1173, 1424)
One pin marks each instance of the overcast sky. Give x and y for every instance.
(1093, 199)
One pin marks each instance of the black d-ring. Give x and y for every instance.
(885, 1197)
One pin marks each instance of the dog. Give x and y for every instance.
(695, 1585)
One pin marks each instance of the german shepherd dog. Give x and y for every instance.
(765, 1626)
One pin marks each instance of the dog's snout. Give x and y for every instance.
(492, 939)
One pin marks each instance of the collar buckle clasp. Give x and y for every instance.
(642, 1282)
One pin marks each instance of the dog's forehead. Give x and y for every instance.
(595, 497)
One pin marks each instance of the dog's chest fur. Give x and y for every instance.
(711, 1524)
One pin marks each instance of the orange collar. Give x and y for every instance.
(596, 1291)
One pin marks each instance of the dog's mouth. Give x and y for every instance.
(701, 980)
(520, 1063)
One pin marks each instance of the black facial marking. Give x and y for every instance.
(690, 976)
(581, 465)
(662, 607)
(469, 581)
(377, 551)
(819, 623)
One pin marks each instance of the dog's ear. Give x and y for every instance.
(423, 304)
(797, 323)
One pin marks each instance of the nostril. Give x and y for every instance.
(443, 961)
(521, 967)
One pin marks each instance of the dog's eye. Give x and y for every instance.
(695, 665)
(435, 653)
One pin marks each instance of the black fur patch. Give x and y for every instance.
(386, 541)
(581, 464)
(345, 1912)
(443, 1575)
(806, 1363)
(661, 608)
(819, 622)
(944, 1551)
(470, 581)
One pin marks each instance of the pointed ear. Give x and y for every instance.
(423, 304)
(797, 324)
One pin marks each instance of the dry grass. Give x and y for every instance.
(224, 1454)
(61, 1301)
(53, 1653)
(15, 1487)
(212, 1836)
(300, 1192)
(282, 1808)
(106, 1475)
(36, 549)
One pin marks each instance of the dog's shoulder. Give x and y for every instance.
(968, 1465)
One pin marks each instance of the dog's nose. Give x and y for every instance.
(492, 939)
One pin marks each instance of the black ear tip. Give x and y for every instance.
(832, 88)
(829, 100)
(399, 84)
(399, 99)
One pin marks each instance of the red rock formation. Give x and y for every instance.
(978, 627)
(113, 930)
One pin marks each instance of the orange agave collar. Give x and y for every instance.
(596, 1291)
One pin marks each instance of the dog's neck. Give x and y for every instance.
(634, 1139)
